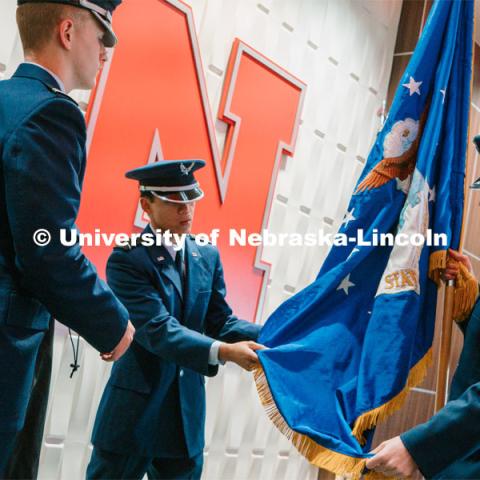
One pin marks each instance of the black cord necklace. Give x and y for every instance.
(75, 365)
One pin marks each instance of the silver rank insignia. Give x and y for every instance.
(186, 170)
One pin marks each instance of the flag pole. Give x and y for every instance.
(445, 346)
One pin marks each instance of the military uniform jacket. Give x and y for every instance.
(42, 163)
(154, 402)
(448, 445)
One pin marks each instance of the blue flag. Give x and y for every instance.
(344, 352)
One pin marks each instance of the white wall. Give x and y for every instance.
(343, 50)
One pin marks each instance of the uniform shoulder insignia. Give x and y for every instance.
(58, 92)
(127, 246)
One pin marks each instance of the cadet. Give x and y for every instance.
(42, 163)
(448, 445)
(151, 418)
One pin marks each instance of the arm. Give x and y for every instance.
(43, 171)
(156, 330)
(451, 434)
(447, 437)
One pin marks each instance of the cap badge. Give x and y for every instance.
(186, 170)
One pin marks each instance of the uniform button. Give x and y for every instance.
(181, 373)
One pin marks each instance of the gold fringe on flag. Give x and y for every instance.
(316, 454)
(466, 285)
(370, 419)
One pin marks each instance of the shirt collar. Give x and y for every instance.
(169, 248)
(56, 77)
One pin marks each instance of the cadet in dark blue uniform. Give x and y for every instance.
(151, 417)
(42, 163)
(448, 445)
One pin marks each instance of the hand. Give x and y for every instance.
(392, 459)
(453, 269)
(122, 346)
(241, 353)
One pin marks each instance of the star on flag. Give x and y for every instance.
(346, 284)
(404, 185)
(348, 218)
(413, 86)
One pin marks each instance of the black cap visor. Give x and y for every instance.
(476, 184)
(109, 38)
(476, 142)
(181, 196)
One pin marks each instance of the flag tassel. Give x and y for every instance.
(437, 263)
(466, 286)
(465, 296)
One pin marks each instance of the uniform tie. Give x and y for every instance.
(180, 266)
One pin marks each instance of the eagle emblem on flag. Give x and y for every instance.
(400, 153)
